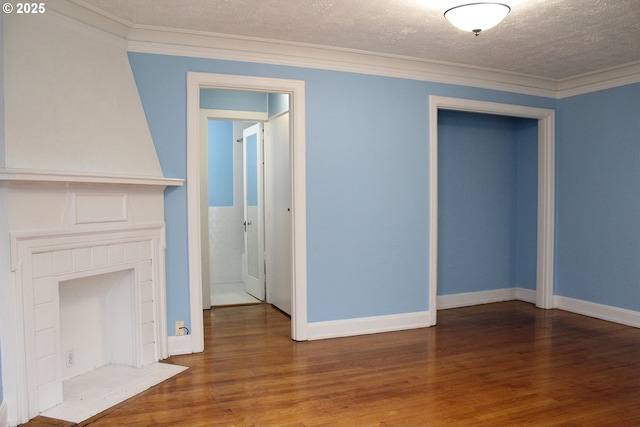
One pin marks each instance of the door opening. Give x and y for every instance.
(296, 192)
(247, 223)
(231, 238)
(283, 193)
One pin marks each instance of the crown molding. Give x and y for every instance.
(166, 41)
(87, 14)
(216, 46)
(599, 80)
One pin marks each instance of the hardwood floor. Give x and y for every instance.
(503, 364)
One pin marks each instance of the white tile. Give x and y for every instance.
(148, 333)
(79, 414)
(115, 397)
(43, 290)
(41, 265)
(116, 254)
(46, 368)
(60, 412)
(145, 250)
(131, 251)
(73, 392)
(149, 353)
(226, 244)
(81, 259)
(146, 291)
(49, 394)
(145, 271)
(93, 392)
(62, 262)
(99, 256)
(43, 316)
(45, 343)
(146, 312)
(137, 386)
(230, 294)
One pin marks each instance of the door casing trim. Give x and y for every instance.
(296, 91)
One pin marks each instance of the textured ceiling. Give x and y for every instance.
(553, 39)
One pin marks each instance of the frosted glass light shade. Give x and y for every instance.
(476, 17)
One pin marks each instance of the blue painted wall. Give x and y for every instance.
(220, 152)
(485, 166)
(223, 99)
(527, 203)
(367, 180)
(598, 199)
(278, 103)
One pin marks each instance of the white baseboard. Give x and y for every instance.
(367, 325)
(526, 295)
(4, 414)
(586, 308)
(485, 297)
(397, 322)
(599, 311)
(179, 345)
(422, 319)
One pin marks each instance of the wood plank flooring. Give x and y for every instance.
(503, 364)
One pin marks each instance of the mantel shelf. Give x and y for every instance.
(24, 175)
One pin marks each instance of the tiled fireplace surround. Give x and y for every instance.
(61, 231)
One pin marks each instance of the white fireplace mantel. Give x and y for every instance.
(25, 175)
(61, 225)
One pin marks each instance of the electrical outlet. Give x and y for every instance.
(69, 359)
(179, 328)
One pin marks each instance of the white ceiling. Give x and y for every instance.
(551, 39)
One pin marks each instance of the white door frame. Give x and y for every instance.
(205, 115)
(546, 188)
(296, 91)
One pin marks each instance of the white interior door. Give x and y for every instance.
(253, 259)
(278, 213)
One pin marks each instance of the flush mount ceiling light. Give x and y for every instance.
(476, 17)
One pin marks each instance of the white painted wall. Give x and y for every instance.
(2, 49)
(71, 102)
